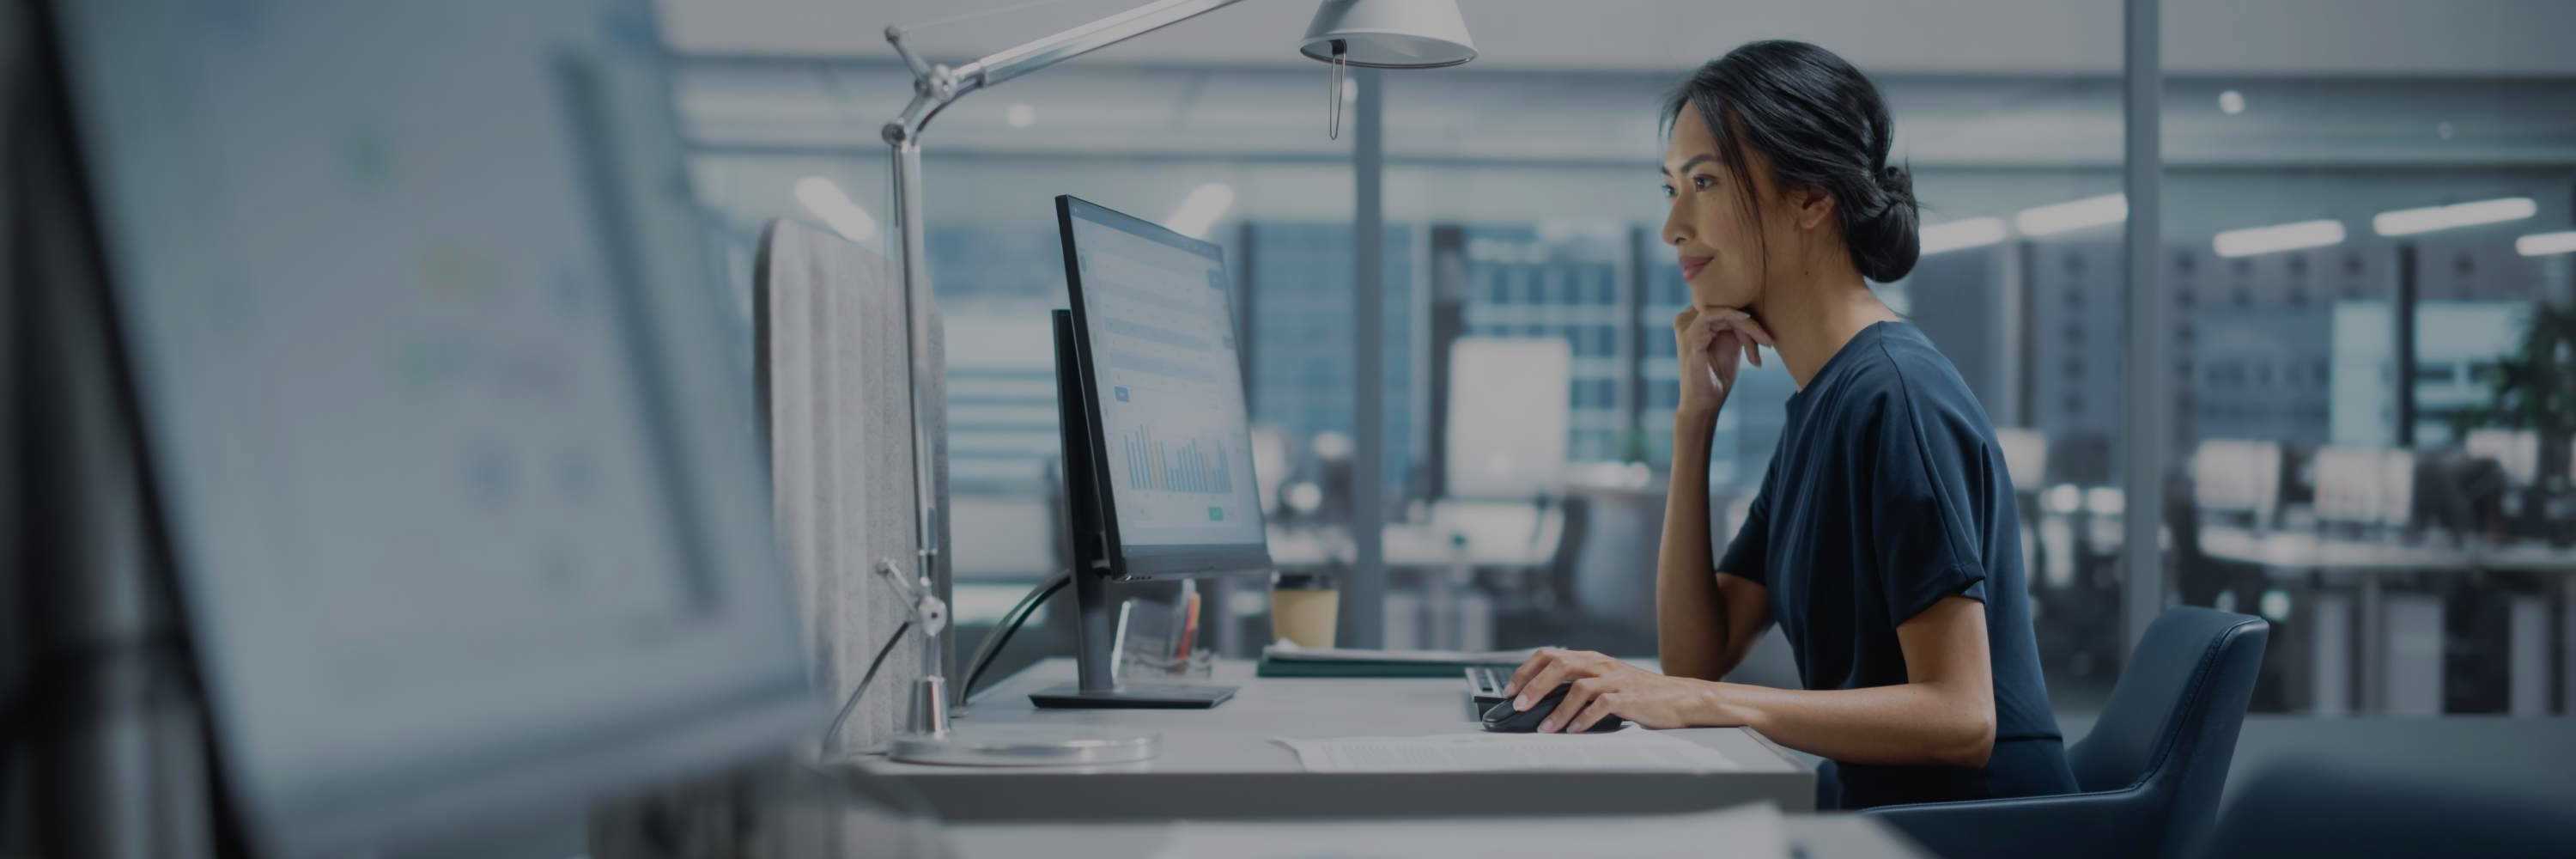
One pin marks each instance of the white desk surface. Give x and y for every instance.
(1819, 836)
(1222, 762)
(2300, 550)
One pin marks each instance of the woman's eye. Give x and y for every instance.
(1668, 191)
(1701, 182)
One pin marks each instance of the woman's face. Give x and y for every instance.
(1709, 225)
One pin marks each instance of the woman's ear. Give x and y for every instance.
(1812, 206)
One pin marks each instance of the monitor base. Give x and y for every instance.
(1131, 696)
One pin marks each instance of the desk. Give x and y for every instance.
(1221, 763)
(1825, 836)
(1406, 545)
(2368, 562)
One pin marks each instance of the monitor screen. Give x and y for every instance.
(460, 481)
(1176, 451)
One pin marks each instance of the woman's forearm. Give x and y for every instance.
(1690, 616)
(1905, 724)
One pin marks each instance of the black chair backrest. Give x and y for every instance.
(2171, 724)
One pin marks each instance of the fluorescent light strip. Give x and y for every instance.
(2073, 215)
(1199, 210)
(2407, 222)
(826, 201)
(2278, 237)
(1959, 235)
(2546, 244)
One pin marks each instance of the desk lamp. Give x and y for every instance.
(1381, 34)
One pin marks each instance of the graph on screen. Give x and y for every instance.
(1178, 452)
(1198, 465)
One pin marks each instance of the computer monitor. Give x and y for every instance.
(1159, 481)
(452, 446)
(2371, 487)
(2235, 476)
(1508, 416)
(2516, 452)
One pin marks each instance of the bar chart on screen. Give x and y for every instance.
(1196, 465)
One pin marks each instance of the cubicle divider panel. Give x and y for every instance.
(832, 370)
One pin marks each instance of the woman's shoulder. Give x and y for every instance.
(1900, 375)
(1892, 359)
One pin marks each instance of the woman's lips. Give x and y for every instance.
(1692, 265)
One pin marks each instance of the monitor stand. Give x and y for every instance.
(1097, 686)
(1096, 625)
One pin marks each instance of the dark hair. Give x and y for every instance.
(1822, 125)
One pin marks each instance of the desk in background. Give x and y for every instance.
(2542, 661)
(1221, 763)
(1518, 535)
(1446, 553)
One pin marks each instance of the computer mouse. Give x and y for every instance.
(1502, 719)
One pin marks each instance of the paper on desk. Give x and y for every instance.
(1285, 649)
(1628, 749)
(1745, 830)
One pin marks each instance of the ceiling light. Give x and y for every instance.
(2231, 102)
(2278, 237)
(1958, 235)
(2073, 215)
(1198, 211)
(2546, 244)
(2407, 222)
(826, 201)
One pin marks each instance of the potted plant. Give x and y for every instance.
(2533, 387)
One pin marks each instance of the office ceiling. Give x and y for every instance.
(1610, 117)
(2015, 37)
(2031, 114)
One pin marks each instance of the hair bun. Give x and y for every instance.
(1897, 184)
(1885, 244)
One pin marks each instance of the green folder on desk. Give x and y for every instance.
(1292, 661)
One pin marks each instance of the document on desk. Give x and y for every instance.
(1288, 650)
(1628, 749)
(1746, 830)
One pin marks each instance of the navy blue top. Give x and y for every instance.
(1886, 494)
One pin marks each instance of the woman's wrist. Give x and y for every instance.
(1723, 703)
(1696, 417)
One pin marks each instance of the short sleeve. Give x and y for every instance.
(1747, 555)
(1922, 509)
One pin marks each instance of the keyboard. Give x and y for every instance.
(1485, 684)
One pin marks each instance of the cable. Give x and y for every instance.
(831, 734)
(1011, 622)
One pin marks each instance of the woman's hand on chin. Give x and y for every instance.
(1711, 346)
(1601, 687)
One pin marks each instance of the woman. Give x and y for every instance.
(1884, 538)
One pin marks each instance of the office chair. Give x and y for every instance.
(2308, 808)
(2147, 777)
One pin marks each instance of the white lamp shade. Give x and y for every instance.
(1390, 34)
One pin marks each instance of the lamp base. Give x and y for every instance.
(1025, 746)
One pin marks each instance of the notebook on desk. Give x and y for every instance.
(1288, 660)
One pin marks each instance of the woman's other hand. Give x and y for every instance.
(1712, 345)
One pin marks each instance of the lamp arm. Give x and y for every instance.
(935, 86)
